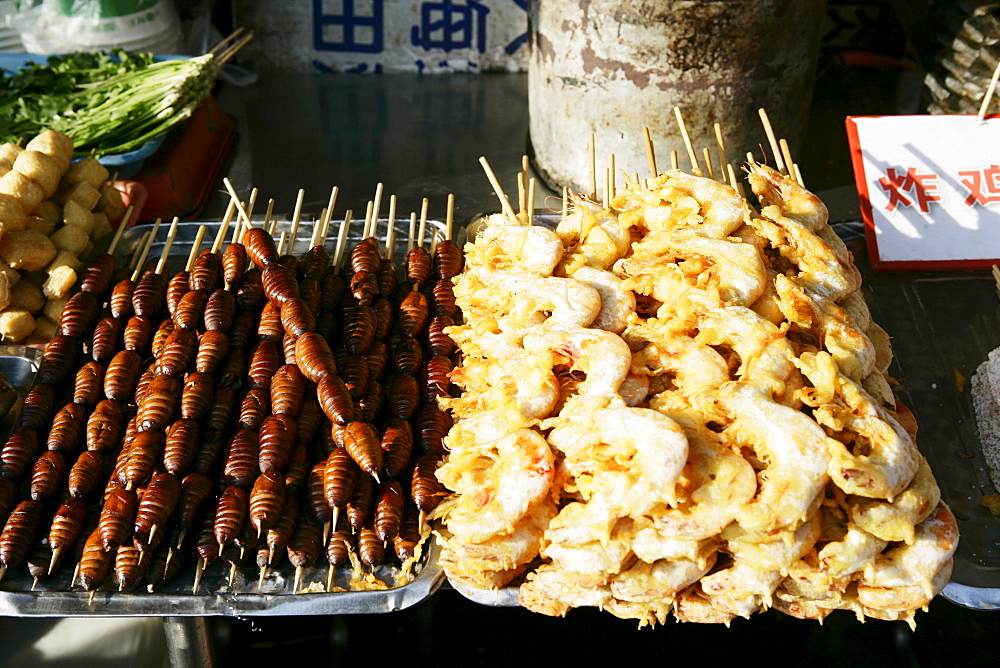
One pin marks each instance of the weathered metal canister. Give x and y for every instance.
(615, 67)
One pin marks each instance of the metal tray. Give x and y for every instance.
(943, 325)
(57, 597)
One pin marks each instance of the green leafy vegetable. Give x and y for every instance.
(108, 102)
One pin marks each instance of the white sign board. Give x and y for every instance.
(929, 188)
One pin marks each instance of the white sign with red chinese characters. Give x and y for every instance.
(929, 188)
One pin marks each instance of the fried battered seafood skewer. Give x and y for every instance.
(678, 405)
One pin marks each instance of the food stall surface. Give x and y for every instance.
(422, 137)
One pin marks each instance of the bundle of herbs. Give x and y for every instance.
(108, 103)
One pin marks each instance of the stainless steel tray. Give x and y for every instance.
(943, 325)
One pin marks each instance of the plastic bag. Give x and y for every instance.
(64, 26)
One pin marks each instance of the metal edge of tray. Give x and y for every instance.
(505, 597)
(976, 598)
(220, 602)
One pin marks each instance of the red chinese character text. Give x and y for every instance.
(977, 181)
(923, 186)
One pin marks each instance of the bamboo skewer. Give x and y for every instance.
(423, 222)
(988, 96)
(295, 221)
(786, 155)
(650, 153)
(220, 236)
(413, 230)
(449, 219)
(195, 247)
(390, 232)
(695, 169)
(592, 155)
(122, 224)
(342, 238)
(145, 250)
(234, 199)
(779, 161)
(720, 144)
(504, 202)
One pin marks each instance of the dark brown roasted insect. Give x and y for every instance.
(311, 292)
(384, 315)
(359, 329)
(241, 467)
(361, 505)
(253, 409)
(121, 299)
(164, 566)
(129, 566)
(246, 541)
(371, 550)
(59, 360)
(213, 346)
(314, 264)
(18, 533)
(67, 428)
(222, 409)
(97, 277)
(234, 263)
(206, 272)
(104, 426)
(314, 357)
(88, 388)
(47, 475)
(144, 453)
(138, 334)
(142, 385)
(160, 336)
(306, 544)
(233, 369)
(297, 317)
(208, 452)
(270, 328)
(363, 286)
(437, 378)
(279, 283)
(177, 287)
(377, 359)
(418, 265)
(67, 524)
(260, 247)
(406, 540)
(330, 437)
(335, 400)
(106, 339)
(366, 256)
(95, 562)
(278, 535)
(413, 313)
(150, 294)
(397, 446)
(18, 452)
(431, 426)
(425, 489)
(220, 310)
(297, 469)
(362, 444)
(157, 410)
(407, 355)
(333, 289)
(339, 478)
(189, 310)
(308, 421)
(288, 389)
(205, 545)
(276, 439)
(339, 546)
(443, 298)
(404, 396)
(156, 506)
(38, 406)
(180, 446)
(388, 509)
(388, 282)
(178, 352)
(370, 406)
(86, 473)
(79, 314)
(438, 342)
(230, 514)
(195, 489)
(122, 374)
(448, 259)
(288, 348)
(117, 516)
(354, 373)
(267, 498)
(264, 363)
(250, 294)
(316, 492)
(197, 395)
